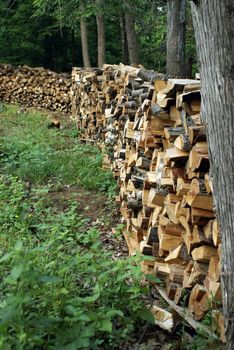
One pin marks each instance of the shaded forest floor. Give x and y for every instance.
(66, 279)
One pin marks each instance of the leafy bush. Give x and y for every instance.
(59, 288)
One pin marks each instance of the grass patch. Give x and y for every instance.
(60, 289)
(37, 154)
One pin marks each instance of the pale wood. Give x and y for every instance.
(204, 253)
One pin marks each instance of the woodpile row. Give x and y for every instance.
(35, 87)
(151, 130)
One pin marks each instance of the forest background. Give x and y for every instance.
(49, 33)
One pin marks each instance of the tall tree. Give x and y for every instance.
(131, 35)
(176, 37)
(68, 14)
(124, 45)
(84, 42)
(101, 33)
(214, 31)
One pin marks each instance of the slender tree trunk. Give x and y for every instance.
(124, 44)
(131, 39)
(48, 53)
(176, 37)
(214, 31)
(101, 34)
(84, 42)
(73, 47)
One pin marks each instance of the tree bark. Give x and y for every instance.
(176, 37)
(214, 31)
(73, 47)
(131, 39)
(100, 34)
(124, 44)
(84, 42)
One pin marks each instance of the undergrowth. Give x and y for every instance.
(37, 154)
(59, 287)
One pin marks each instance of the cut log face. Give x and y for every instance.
(196, 296)
(204, 253)
(177, 273)
(158, 151)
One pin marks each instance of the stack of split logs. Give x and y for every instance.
(35, 87)
(156, 146)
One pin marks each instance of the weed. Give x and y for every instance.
(118, 231)
(204, 338)
(59, 288)
(37, 154)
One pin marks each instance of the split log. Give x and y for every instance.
(158, 151)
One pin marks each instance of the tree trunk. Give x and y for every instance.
(176, 37)
(84, 42)
(101, 35)
(131, 39)
(214, 31)
(124, 44)
(73, 47)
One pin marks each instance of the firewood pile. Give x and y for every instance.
(155, 144)
(35, 87)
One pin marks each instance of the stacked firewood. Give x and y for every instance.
(35, 87)
(157, 149)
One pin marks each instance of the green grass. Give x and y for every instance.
(59, 287)
(35, 153)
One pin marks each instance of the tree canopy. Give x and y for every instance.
(48, 33)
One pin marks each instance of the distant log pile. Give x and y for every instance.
(157, 149)
(35, 87)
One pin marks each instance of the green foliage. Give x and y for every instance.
(152, 29)
(46, 33)
(35, 40)
(35, 153)
(202, 341)
(205, 337)
(60, 289)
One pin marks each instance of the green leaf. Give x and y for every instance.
(46, 321)
(153, 278)
(94, 297)
(19, 245)
(146, 315)
(6, 257)
(147, 257)
(89, 331)
(49, 279)
(105, 326)
(7, 314)
(15, 273)
(39, 249)
(112, 313)
(91, 299)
